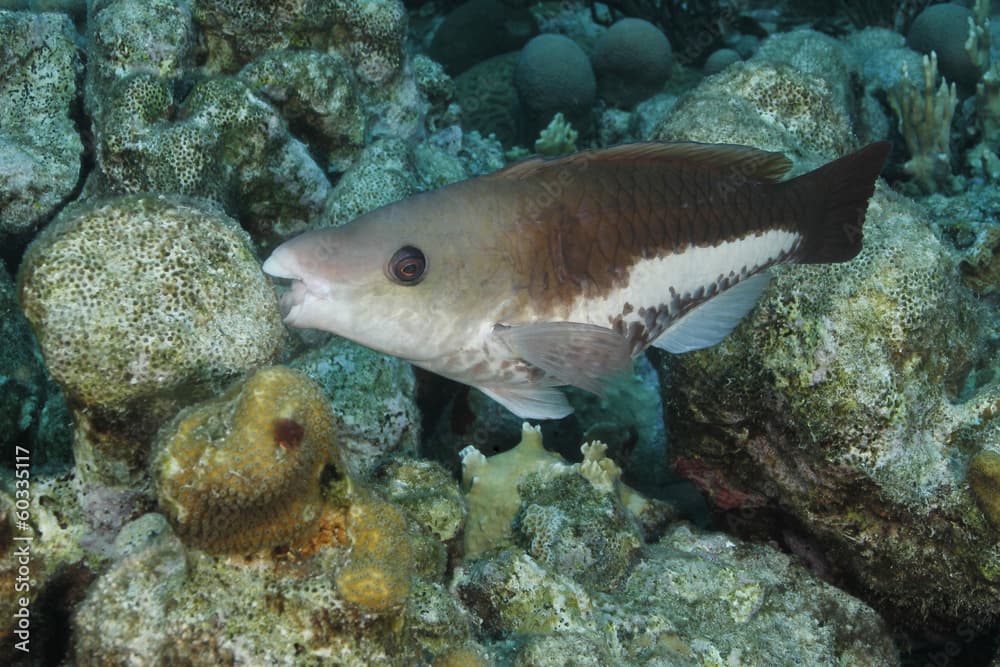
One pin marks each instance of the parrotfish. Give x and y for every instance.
(560, 271)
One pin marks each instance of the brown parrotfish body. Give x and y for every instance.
(559, 272)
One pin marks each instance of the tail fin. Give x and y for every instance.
(840, 191)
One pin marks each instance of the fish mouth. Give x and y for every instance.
(292, 300)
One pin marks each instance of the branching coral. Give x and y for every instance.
(925, 114)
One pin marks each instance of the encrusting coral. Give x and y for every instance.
(378, 577)
(245, 471)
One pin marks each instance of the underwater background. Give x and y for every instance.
(187, 481)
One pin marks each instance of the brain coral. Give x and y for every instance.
(142, 304)
(244, 471)
(632, 61)
(553, 74)
(944, 29)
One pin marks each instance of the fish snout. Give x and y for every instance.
(282, 264)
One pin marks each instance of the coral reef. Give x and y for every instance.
(372, 398)
(39, 145)
(554, 74)
(586, 582)
(835, 407)
(142, 305)
(632, 60)
(221, 514)
(245, 471)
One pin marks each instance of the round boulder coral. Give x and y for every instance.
(142, 305)
(632, 61)
(244, 471)
(554, 75)
(944, 29)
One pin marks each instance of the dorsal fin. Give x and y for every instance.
(751, 163)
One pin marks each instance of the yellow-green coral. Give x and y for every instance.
(243, 471)
(984, 481)
(379, 575)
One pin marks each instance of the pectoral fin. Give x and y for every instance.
(583, 355)
(707, 324)
(531, 401)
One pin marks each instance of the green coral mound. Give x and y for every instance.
(141, 305)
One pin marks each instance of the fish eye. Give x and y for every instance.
(407, 265)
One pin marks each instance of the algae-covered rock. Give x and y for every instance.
(120, 36)
(583, 580)
(369, 33)
(354, 596)
(142, 305)
(40, 148)
(794, 98)
(373, 399)
(429, 496)
(226, 144)
(382, 174)
(317, 94)
(843, 404)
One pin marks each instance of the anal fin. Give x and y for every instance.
(708, 323)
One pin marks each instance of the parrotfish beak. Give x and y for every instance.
(280, 264)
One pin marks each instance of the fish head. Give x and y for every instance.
(402, 280)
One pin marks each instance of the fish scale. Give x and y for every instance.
(559, 272)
